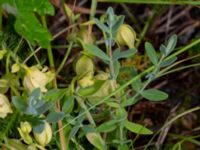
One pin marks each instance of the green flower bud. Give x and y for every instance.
(84, 65)
(45, 136)
(126, 36)
(5, 107)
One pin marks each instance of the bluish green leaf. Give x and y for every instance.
(125, 54)
(116, 66)
(154, 95)
(94, 50)
(137, 84)
(118, 22)
(171, 44)
(55, 117)
(136, 128)
(19, 103)
(151, 53)
(168, 62)
(102, 26)
(55, 94)
(73, 131)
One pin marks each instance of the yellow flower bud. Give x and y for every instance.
(126, 36)
(84, 65)
(108, 87)
(86, 81)
(44, 137)
(25, 127)
(15, 68)
(25, 135)
(35, 78)
(5, 107)
(102, 76)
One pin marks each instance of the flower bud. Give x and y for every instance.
(86, 81)
(35, 78)
(44, 137)
(84, 65)
(25, 127)
(5, 107)
(126, 36)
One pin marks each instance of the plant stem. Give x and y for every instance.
(8, 64)
(65, 58)
(93, 9)
(1, 18)
(54, 83)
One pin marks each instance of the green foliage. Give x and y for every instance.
(27, 24)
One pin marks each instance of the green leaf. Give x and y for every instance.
(95, 139)
(151, 53)
(91, 89)
(118, 22)
(2, 53)
(102, 26)
(107, 126)
(55, 117)
(116, 65)
(39, 127)
(94, 50)
(168, 62)
(55, 94)
(30, 28)
(136, 128)
(19, 103)
(125, 54)
(41, 7)
(171, 44)
(137, 84)
(154, 95)
(73, 131)
(68, 104)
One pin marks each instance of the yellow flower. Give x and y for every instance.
(35, 78)
(5, 107)
(126, 36)
(45, 136)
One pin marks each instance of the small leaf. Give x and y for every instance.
(95, 139)
(137, 84)
(94, 50)
(68, 104)
(154, 95)
(171, 44)
(125, 54)
(116, 65)
(136, 128)
(91, 89)
(151, 53)
(55, 116)
(55, 94)
(119, 21)
(39, 127)
(102, 26)
(19, 103)
(168, 62)
(107, 126)
(2, 53)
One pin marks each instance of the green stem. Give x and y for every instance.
(49, 50)
(8, 64)
(65, 58)
(36, 58)
(93, 9)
